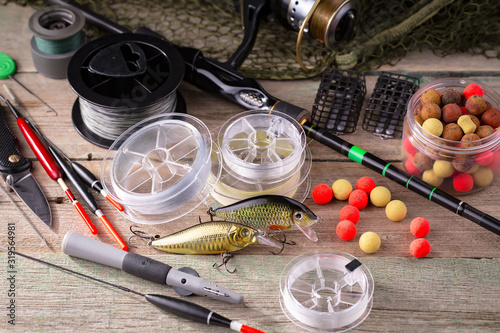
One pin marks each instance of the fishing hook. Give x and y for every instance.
(141, 234)
(210, 213)
(275, 235)
(225, 259)
(280, 232)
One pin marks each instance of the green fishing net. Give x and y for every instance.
(386, 31)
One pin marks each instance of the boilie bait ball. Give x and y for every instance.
(420, 227)
(350, 213)
(463, 182)
(358, 199)
(346, 230)
(473, 89)
(369, 242)
(322, 194)
(433, 126)
(366, 184)
(395, 210)
(341, 189)
(420, 248)
(483, 176)
(380, 196)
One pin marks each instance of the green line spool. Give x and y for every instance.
(57, 34)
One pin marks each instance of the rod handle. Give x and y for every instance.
(80, 246)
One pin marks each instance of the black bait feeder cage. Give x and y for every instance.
(386, 110)
(339, 101)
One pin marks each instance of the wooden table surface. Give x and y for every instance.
(455, 288)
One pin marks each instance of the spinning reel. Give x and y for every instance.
(328, 21)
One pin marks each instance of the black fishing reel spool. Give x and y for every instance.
(124, 71)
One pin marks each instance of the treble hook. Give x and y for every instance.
(283, 242)
(225, 259)
(141, 234)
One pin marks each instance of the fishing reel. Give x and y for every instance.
(328, 21)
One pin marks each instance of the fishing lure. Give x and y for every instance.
(270, 212)
(214, 237)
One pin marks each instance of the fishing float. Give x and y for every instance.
(48, 163)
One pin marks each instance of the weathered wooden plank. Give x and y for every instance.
(445, 295)
(454, 289)
(450, 236)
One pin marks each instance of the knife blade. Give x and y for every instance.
(16, 172)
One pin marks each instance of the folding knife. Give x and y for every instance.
(15, 170)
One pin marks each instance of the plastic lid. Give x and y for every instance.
(326, 291)
(7, 66)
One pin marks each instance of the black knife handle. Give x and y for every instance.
(11, 160)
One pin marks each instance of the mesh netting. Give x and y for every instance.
(386, 31)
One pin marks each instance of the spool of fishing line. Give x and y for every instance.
(326, 291)
(161, 168)
(121, 80)
(262, 153)
(57, 35)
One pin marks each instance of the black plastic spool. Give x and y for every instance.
(339, 100)
(386, 109)
(124, 70)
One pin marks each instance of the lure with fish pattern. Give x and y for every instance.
(212, 238)
(270, 212)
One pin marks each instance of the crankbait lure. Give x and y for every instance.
(214, 237)
(270, 212)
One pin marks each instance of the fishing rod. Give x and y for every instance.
(223, 78)
(178, 307)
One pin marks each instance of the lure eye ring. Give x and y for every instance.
(245, 233)
(298, 215)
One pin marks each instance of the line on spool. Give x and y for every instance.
(326, 291)
(161, 168)
(57, 34)
(121, 80)
(262, 153)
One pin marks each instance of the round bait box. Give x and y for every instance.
(461, 160)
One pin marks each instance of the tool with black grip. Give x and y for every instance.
(48, 163)
(183, 282)
(178, 307)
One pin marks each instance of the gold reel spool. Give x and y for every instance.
(328, 21)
